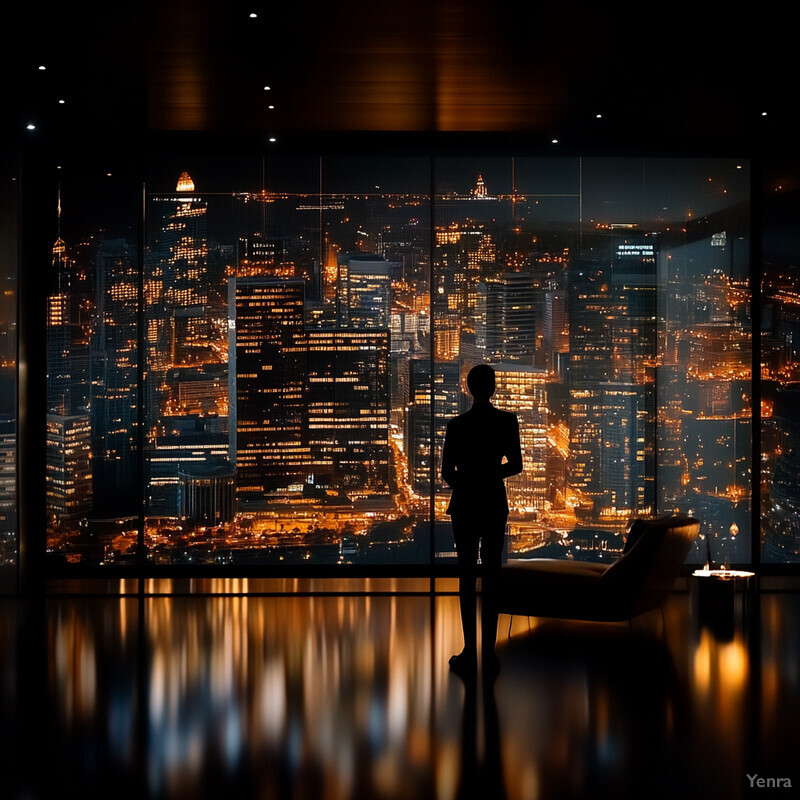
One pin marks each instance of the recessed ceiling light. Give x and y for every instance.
(271, 107)
(42, 67)
(30, 126)
(253, 15)
(599, 116)
(273, 139)
(61, 102)
(554, 141)
(763, 113)
(267, 88)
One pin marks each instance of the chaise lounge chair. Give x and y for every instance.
(639, 580)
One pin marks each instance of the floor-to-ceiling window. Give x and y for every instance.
(612, 298)
(265, 375)
(780, 369)
(9, 219)
(287, 341)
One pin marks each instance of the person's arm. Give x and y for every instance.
(448, 465)
(513, 452)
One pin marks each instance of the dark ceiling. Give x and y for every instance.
(532, 73)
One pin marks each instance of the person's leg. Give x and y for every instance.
(491, 561)
(467, 550)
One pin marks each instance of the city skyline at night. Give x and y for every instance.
(303, 333)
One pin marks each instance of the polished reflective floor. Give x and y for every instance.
(328, 695)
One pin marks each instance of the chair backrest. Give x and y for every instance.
(643, 577)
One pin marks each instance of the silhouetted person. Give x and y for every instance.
(481, 449)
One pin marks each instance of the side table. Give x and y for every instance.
(714, 593)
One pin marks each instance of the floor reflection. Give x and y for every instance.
(9, 689)
(349, 696)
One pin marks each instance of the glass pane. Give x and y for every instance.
(8, 380)
(780, 368)
(92, 462)
(611, 296)
(703, 372)
(292, 361)
(505, 228)
(281, 326)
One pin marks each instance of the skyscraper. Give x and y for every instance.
(180, 333)
(267, 368)
(555, 330)
(589, 366)
(68, 329)
(177, 275)
(312, 405)
(625, 482)
(521, 390)
(511, 317)
(68, 467)
(464, 256)
(447, 398)
(633, 324)
(68, 443)
(114, 358)
(612, 339)
(348, 409)
(363, 295)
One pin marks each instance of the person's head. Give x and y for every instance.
(481, 382)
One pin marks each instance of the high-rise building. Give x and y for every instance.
(465, 255)
(633, 325)
(69, 479)
(612, 341)
(347, 422)
(267, 369)
(183, 246)
(589, 366)
(185, 440)
(8, 480)
(177, 276)
(114, 358)
(68, 467)
(207, 493)
(589, 300)
(179, 333)
(625, 482)
(312, 404)
(363, 295)
(671, 392)
(555, 330)
(510, 316)
(260, 256)
(522, 390)
(68, 329)
(447, 396)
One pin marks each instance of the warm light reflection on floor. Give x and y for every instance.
(349, 696)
